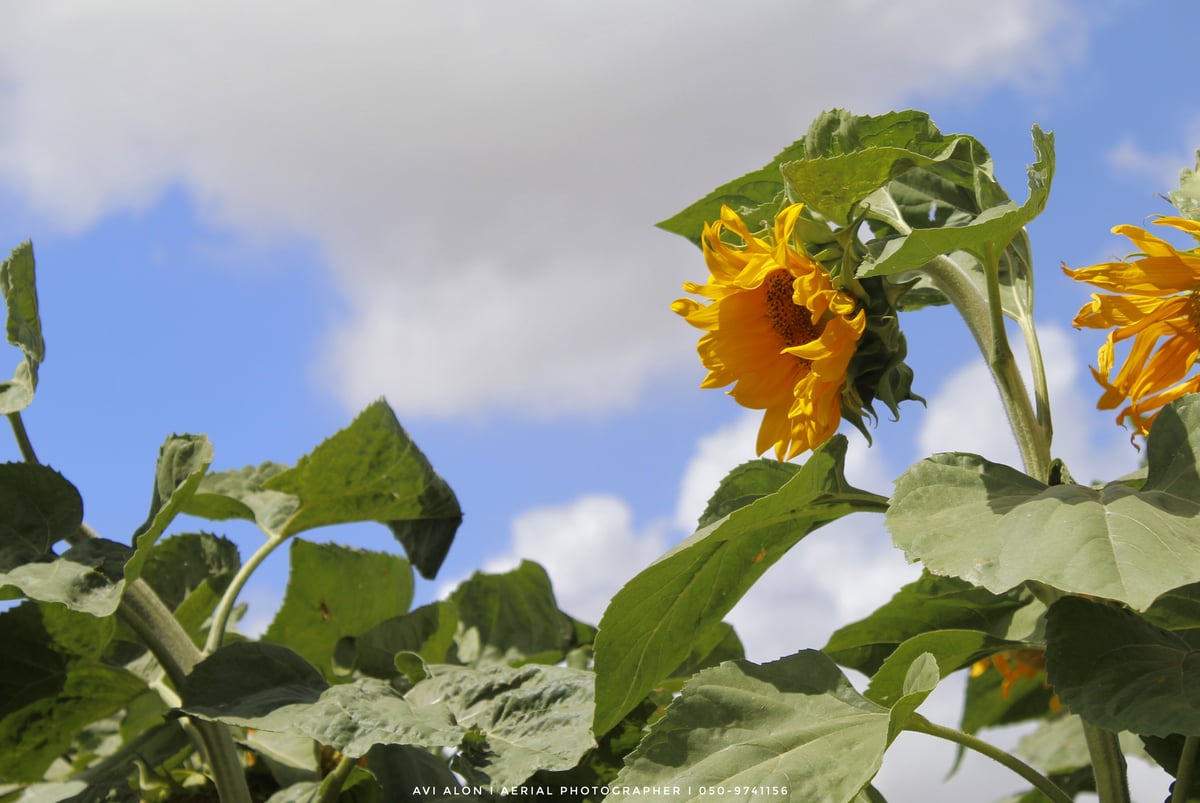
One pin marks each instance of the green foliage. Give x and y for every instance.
(23, 327)
(996, 527)
(126, 680)
(651, 623)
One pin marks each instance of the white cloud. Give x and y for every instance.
(1160, 169)
(481, 177)
(965, 414)
(589, 547)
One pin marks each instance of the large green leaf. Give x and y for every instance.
(23, 326)
(958, 211)
(993, 526)
(752, 196)
(792, 729)
(524, 719)
(511, 617)
(38, 508)
(88, 577)
(53, 683)
(268, 687)
(334, 592)
(927, 604)
(370, 471)
(1119, 672)
(651, 623)
(847, 157)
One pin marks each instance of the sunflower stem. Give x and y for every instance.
(1108, 765)
(22, 436)
(1184, 772)
(985, 320)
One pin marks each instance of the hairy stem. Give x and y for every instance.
(220, 620)
(158, 629)
(1047, 787)
(1183, 773)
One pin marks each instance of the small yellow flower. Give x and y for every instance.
(776, 329)
(1159, 299)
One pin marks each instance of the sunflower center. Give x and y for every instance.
(792, 321)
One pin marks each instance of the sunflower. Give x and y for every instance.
(1158, 300)
(776, 329)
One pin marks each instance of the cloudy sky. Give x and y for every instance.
(253, 219)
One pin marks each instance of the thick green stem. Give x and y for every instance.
(220, 620)
(1183, 773)
(23, 442)
(1108, 765)
(331, 787)
(158, 629)
(986, 325)
(1047, 787)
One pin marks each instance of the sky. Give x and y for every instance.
(252, 220)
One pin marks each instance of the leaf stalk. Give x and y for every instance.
(919, 724)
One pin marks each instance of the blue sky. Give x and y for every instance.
(252, 221)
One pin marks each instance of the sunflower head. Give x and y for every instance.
(790, 343)
(1154, 304)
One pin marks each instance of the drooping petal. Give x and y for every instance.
(776, 330)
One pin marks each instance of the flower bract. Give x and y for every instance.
(776, 329)
(1154, 304)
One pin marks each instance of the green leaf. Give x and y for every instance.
(411, 774)
(428, 631)
(333, 592)
(745, 484)
(993, 526)
(370, 471)
(957, 209)
(246, 680)
(88, 577)
(239, 494)
(38, 508)
(651, 623)
(920, 679)
(951, 650)
(848, 156)
(927, 604)
(268, 687)
(792, 729)
(1119, 672)
(751, 196)
(23, 326)
(53, 684)
(511, 617)
(182, 461)
(179, 565)
(529, 718)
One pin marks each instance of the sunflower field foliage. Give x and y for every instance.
(1074, 608)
